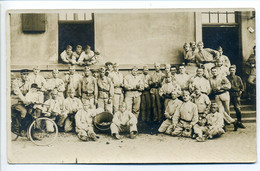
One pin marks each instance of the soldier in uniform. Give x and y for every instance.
(206, 57)
(117, 79)
(56, 83)
(35, 77)
(199, 81)
(87, 57)
(185, 118)
(71, 106)
(225, 60)
(146, 96)
(72, 81)
(172, 107)
(167, 69)
(182, 78)
(236, 90)
(105, 91)
(222, 69)
(109, 68)
(189, 58)
(156, 83)
(84, 122)
(95, 73)
(76, 54)
(133, 87)
(88, 89)
(20, 87)
(66, 56)
(123, 121)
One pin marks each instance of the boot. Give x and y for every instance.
(132, 135)
(235, 126)
(93, 137)
(117, 136)
(240, 125)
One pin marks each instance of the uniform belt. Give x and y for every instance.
(103, 90)
(218, 93)
(184, 120)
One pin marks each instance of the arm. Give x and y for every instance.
(195, 115)
(63, 56)
(225, 84)
(95, 90)
(127, 83)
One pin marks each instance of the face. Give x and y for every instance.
(134, 72)
(220, 52)
(55, 74)
(86, 107)
(110, 67)
(69, 51)
(197, 92)
(54, 96)
(34, 90)
(186, 97)
(78, 50)
(214, 72)
(157, 67)
(122, 108)
(232, 71)
(173, 71)
(102, 73)
(214, 109)
(174, 95)
(219, 63)
(24, 77)
(87, 51)
(71, 94)
(36, 71)
(95, 74)
(116, 67)
(200, 46)
(193, 46)
(145, 71)
(186, 47)
(168, 79)
(87, 73)
(182, 69)
(167, 69)
(200, 72)
(72, 71)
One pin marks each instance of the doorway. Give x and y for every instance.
(228, 39)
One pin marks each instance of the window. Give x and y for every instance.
(219, 17)
(75, 29)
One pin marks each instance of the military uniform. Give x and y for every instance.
(71, 107)
(75, 57)
(88, 90)
(171, 109)
(67, 58)
(183, 80)
(123, 121)
(215, 124)
(185, 119)
(38, 79)
(190, 60)
(72, 82)
(56, 84)
(105, 93)
(146, 98)
(117, 79)
(87, 59)
(133, 86)
(201, 82)
(166, 90)
(156, 82)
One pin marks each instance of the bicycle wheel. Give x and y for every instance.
(43, 131)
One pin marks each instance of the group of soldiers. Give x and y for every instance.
(190, 100)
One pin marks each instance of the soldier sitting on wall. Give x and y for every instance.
(87, 57)
(67, 56)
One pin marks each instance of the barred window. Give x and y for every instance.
(219, 17)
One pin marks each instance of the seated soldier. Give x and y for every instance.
(87, 57)
(123, 120)
(172, 107)
(215, 122)
(71, 106)
(52, 109)
(84, 122)
(66, 56)
(185, 118)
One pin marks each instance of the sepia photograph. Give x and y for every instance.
(138, 86)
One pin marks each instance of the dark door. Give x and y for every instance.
(76, 34)
(227, 38)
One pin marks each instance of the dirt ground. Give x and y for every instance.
(231, 147)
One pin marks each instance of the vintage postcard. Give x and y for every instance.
(131, 86)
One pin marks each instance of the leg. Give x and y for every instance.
(116, 101)
(61, 119)
(219, 102)
(197, 130)
(136, 106)
(148, 106)
(236, 102)
(101, 104)
(114, 129)
(225, 98)
(108, 107)
(159, 106)
(155, 113)
(143, 107)
(164, 126)
(68, 125)
(49, 125)
(129, 103)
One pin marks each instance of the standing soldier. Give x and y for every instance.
(20, 87)
(146, 96)
(199, 81)
(236, 90)
(167, 69)
(222, 69)
(72, 80)
(71, 106)
(133, 86)
(220, 86)
(36, 78)
(182, 78)
(95, 73)
(88, 89)
(56, 83)
(156, 81)
(189, 58)
(184, 119)
(206, 57)
(117, 79)
(105, 91)
(109, 68)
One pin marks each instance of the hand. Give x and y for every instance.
(47, 114)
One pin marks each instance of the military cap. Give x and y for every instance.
(34, 85)
(24, 71)
(55, 71)
(108, 63)
(173, 68)
(102, 69)
(192, 42)
(135, 68)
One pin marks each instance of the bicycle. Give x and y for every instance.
(41, 131)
